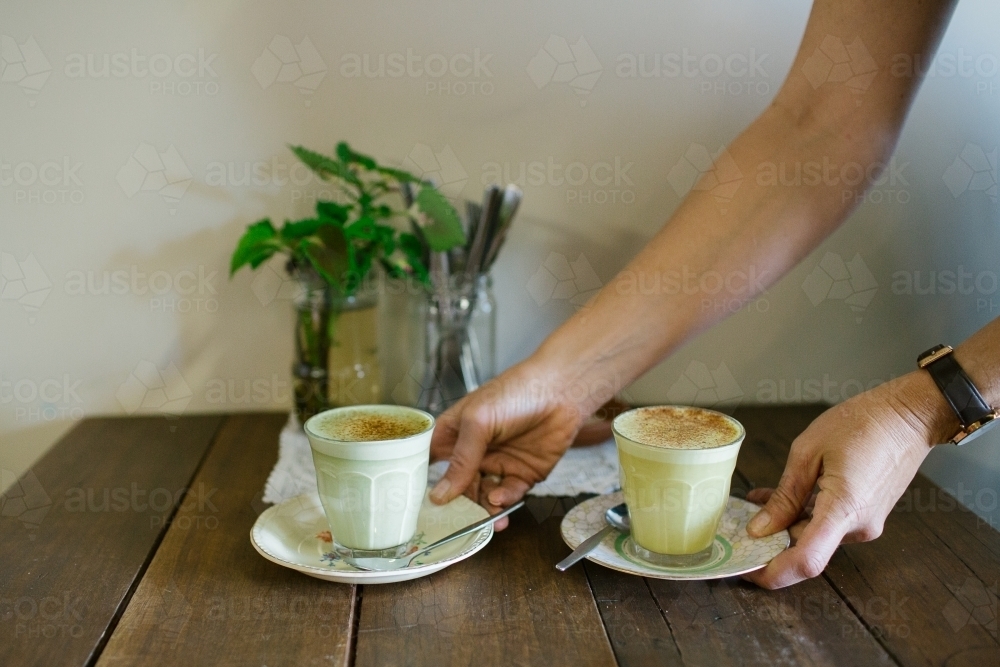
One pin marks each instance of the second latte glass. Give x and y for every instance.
(676, 466)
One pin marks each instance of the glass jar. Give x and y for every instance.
(483, 329)
(313, 302)
(459, 343)
(336, 359)
(352, 364)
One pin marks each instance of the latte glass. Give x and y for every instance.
(371, 489)
(676, 489)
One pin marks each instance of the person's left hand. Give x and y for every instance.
(862, 454)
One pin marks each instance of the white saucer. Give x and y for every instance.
(296, 534)
(735, 552)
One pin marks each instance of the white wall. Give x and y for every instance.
(68, 206)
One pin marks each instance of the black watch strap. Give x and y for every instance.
(958, 389)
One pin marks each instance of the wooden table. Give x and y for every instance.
(128, 544)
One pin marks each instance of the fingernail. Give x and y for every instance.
(440, 491)
(496, 498)
(758, 525)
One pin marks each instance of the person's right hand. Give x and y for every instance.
(505, 437)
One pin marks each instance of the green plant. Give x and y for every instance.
(339, 246)
(344, 240)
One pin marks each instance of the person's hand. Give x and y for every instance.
(505, 437)
(862, 454)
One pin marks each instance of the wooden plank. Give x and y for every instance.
(926, 589)
(209, 599)
(507, 605)
(770, 431)
(972, 539)
(730, 622)
(80, 526)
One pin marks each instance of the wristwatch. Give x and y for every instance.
(974, 414)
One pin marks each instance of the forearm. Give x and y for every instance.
(709, 257)
(705, 262)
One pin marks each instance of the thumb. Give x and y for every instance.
(787, 501)
(470, 447)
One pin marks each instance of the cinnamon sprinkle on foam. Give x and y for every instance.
(678, 428)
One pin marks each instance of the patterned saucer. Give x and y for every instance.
(296, 534)
(735, 552)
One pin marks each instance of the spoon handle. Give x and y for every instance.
(585, 548)
(469, 529)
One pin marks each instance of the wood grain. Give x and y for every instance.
(729, 622)
(209, 599)
(927, 588)
(507, 605)
(925, 593)
(80, 526)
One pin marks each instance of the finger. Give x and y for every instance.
(445, 432)
(759, 496)
(807, 558)
(785, 504)
(489, 483)
(470, 445)
(796, 530)
(510, 490)
(474, 490)
(810, 504)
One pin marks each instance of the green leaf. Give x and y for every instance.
(442, 229)
(325, 167)
(362, 228)
(327, 252)
(398, 175)
(293, 231)
(406, 261)
(347, 156)
(332, 210)
(258, 243)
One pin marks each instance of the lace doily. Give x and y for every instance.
(592, 469)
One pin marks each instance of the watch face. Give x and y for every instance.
(978, 432)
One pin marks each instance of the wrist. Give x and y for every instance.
(575, 377)
(919, 401)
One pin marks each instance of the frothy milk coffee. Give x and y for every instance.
(371, 472)
(676, 467)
